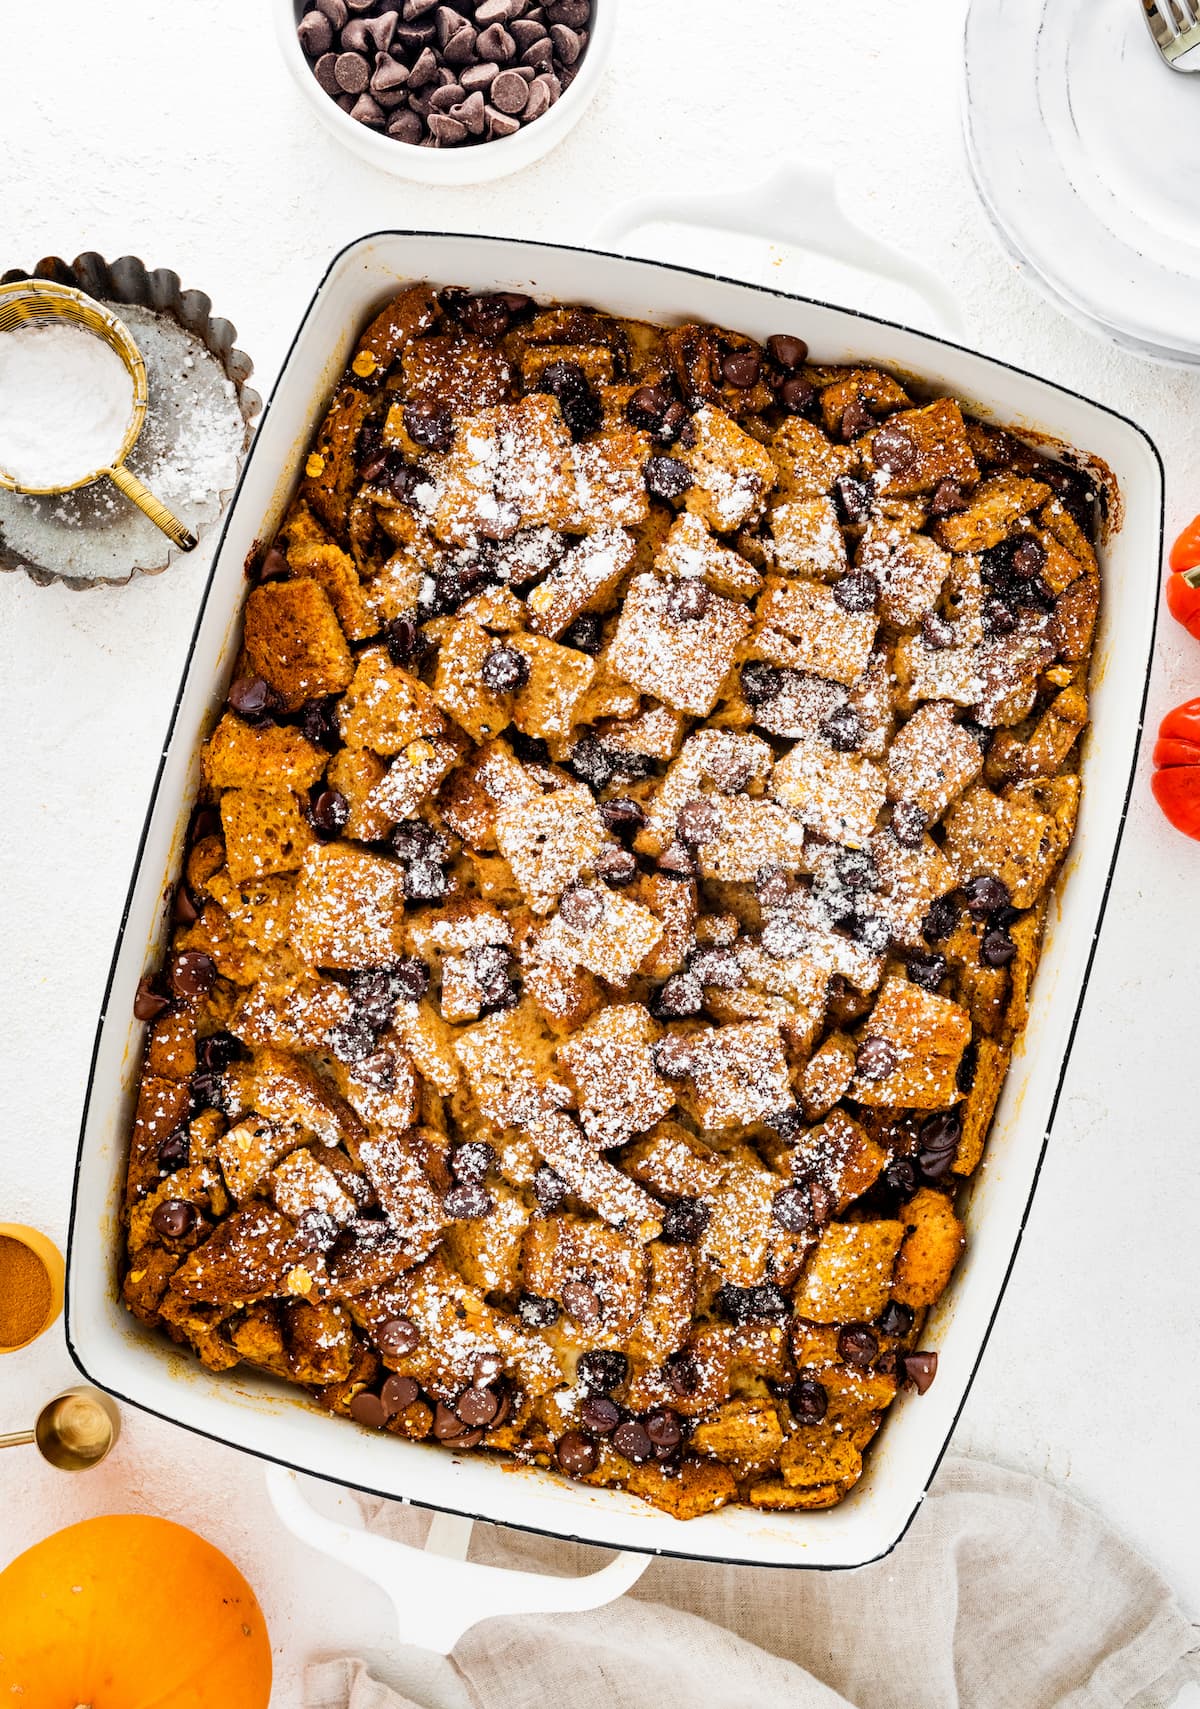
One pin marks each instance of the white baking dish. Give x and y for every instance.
(270, 1420)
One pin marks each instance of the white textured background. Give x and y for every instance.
(171, 131)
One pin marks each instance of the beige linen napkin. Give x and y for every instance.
(1006, 1594)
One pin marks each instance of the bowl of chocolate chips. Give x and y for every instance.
(447, 93)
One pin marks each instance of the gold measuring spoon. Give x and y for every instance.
(74, 1431)
(37, 301)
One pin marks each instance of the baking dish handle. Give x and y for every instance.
(798, 204)
(437, 1593)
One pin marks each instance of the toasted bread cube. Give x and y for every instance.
(801, 624)
(550, 704)
(820, 1459)
(251, 1255)
(683, 664)
(806, 462)
(333, 570)
(586, 579)
(932, 760)
(1044, 752)
(675, 905)
(839, 795)
(842, 1157)
(612, 1195)
(610, 1065)
(596, 360)
(386, 707)
(809, 540)
(872, 697)
(490, 778)
(456, 1325)
(610, 484)
(293, 1014)
(260, 756)
(803, 983)
(739, 1075)
(656, 731)
(395, 330)
(171, 1045)
(920, 448)
(549, 842)
(458, 686)
(320, 1342)
(691, 551)
(383, 1087)
(507, 1062)
(827, 1076)
(566, 994)
(265, 832)
(301, 1183)
(674, 1163)
(1073, 622)
(744, 1434)
(666, 1323)
(470, 374)
(258, 912)
(925, 673)
(932, 1247)
(996, 507)
(560, 1249)
(991, 1066)
(414, 1210)
(284, 1088)
(355, 773)
(963, 599)
(910, 573)
(294, 642)
(510, 466)
(487, 1250)
(249, 1150)
(801, 706)
(870, 386)
(910, 881)
(816, 941)
(430, 1043)
(348, 908)
(742, 1241)
(708, 758)
(415, 774)
(1005, 838)
(928, 1035)
(774, 1496)
(614, 947)
(753, 834)
(849, 1277)
(1011, 667)
(330, 470)
(731, 472)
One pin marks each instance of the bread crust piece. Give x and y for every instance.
(606, 927)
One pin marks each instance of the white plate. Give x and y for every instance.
(1082, 143)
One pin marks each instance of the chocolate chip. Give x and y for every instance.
(857, 1344)
(536, 1312)
(193, 975)
(872, 931)
(858, 591)
(251, 697)
(477, 1406)
(985, 895)
(674, 1056)
(877, 1058)
(325, 72)
(852, 499)
(352, 72)
(398, 1393)
(445, 129)
(591, 762)
(602, 1371)
(698, 822)
(631, 1441)
(856, 870)
(766, 1303)
(809, 1400)
(647, 407)
(718, 965)
(948, 499)
(919, 1369)
(430, 425)
(328, 811)
(786, 351)
(900, 1175)
(968, 1065)
(1027, 558)
(997, 948)
(927, 971)
(797, 395)
(398, 1337)
(843, 729)
(447, 1425)
(581, 1302)
(471, 1161)
(682, 1372)
(941, 919)
(599, 1415)
(741, 368)
(664, 1427)
(576, 1455)
(494, 42)
(936, 632)
(477, 79)
(792, 1209)
(908, 824)
(998, 619)
(761, 681)
(681, 997)
(316, 34)
(586, 633)
(771, 886)
(351, 1040)
(184, 911)
(938, 1145)
(667, 478)
(174, 1218)
(549, 1188)
(424, 882)
(367, 1408)
(406, 127)
(684, 1222)
(688, 601)
(617, 867)
(677, 861)
(581, 907)
(856, 420)
(896, 1319)
(504, 670)
(468, 1203)
(174, 1151)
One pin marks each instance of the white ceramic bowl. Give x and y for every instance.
(477, 164)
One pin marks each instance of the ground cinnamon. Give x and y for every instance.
(25, 1292)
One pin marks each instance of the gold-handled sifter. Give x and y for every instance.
(34, 301)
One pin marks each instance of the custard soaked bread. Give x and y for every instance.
(613, 899)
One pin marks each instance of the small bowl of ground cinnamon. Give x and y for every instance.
(31, 1285)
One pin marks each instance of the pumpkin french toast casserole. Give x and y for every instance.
(613, 898)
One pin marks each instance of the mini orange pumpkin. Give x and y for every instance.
(126, 1612)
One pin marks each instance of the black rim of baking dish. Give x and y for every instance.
(762, 290)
